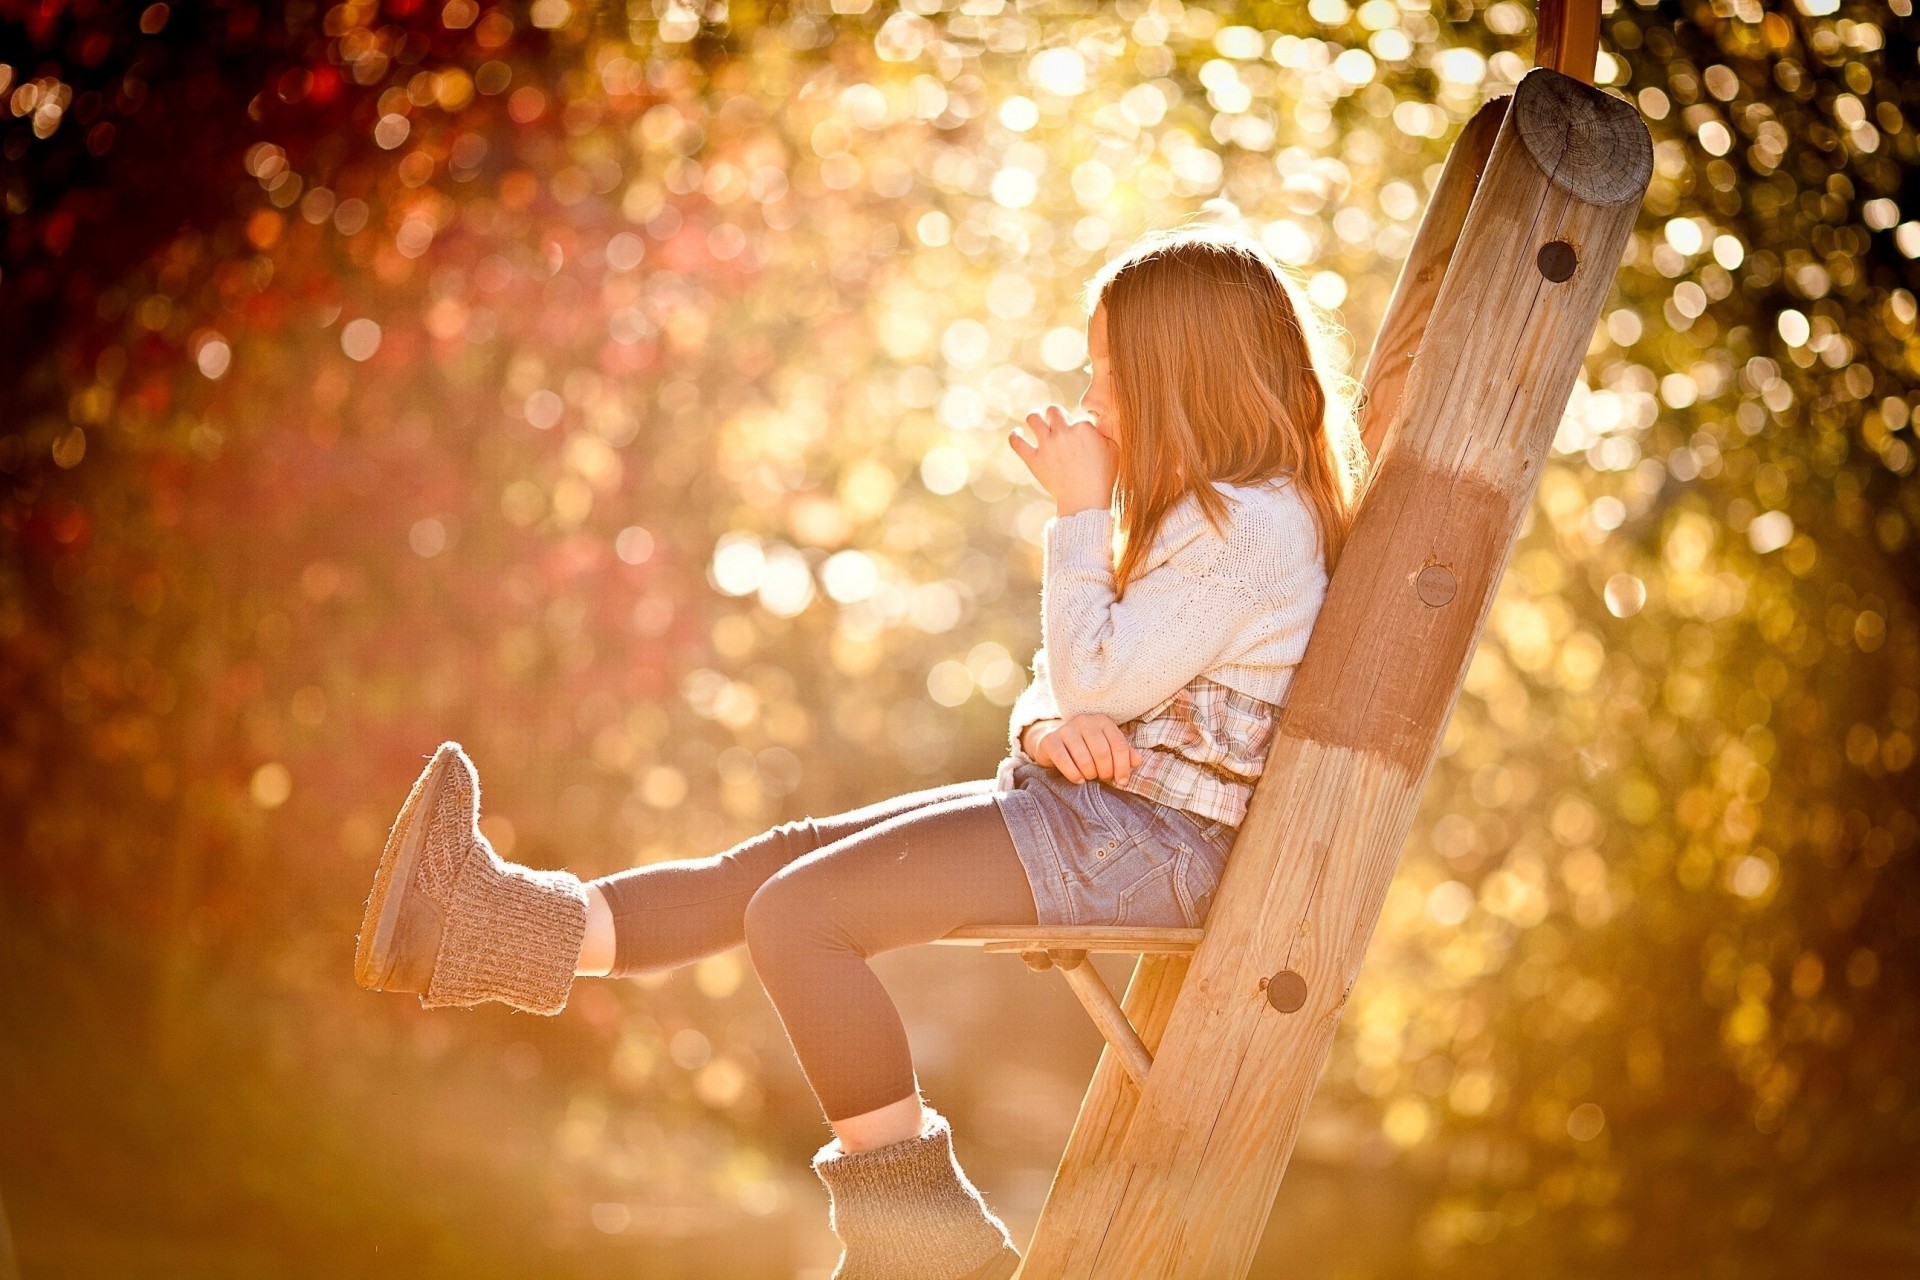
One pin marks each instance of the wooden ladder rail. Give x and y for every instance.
(1174, 1178)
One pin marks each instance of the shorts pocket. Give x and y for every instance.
(1128, 876)
(1154, 901)
(1197, 872)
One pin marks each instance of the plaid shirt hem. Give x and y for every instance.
(1176, 781)
(1204, 749)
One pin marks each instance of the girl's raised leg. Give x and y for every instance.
(667, 914)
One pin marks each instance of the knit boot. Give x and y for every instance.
(907, 1212)
(450, 919)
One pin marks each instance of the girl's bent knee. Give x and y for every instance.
(782, 916)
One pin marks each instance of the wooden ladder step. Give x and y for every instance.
(1020, 938)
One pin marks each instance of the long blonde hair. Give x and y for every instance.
(1215, 377)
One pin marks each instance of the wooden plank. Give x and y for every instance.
(1076, 938)
(1567, 38)
(1179, 1184)
(1426, 265)
(1107, 1015)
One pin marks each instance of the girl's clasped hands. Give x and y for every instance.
(1085, 746)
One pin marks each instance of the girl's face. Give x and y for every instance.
(1097, 401)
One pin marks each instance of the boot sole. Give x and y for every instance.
(373, 958)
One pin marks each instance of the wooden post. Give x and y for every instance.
(1567, 37)
(1176, 1181)
(1426, 266)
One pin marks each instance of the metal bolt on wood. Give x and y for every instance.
(1435, 585)
(1286, 990)
(1557, 260)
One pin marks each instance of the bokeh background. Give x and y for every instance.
(622, 392)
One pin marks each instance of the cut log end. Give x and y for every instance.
(1586, 141)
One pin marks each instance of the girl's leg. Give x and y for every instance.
(812, 926)
(898, 1198)
(668, 914)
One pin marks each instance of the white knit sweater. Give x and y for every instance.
(1237, 609)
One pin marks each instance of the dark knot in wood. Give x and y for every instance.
(1557, 260)
(1286, 990)
(1435, 585)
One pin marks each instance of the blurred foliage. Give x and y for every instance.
(622, 392)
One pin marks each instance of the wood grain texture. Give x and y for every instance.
(1420, 275)
(1178, 1183)
(1075, 937)
(1569, 131)
(1419, 518)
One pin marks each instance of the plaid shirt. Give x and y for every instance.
(1202, 749)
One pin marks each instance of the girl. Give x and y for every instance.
(1211, 445)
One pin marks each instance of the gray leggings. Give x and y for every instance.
(813, 900)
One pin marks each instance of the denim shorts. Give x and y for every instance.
(1095, 854)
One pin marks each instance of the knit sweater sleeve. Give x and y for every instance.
(1034, 703)
(1122, 658)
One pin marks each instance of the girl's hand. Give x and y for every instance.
(1075, 461)
(1088, 745)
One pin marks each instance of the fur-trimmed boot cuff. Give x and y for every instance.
(907, 1211)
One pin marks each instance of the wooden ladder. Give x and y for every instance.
(1212, 1055)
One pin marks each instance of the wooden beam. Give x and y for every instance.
(1426, 265)
(1178, 1185)
(1076, 938)
(1567, 38)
